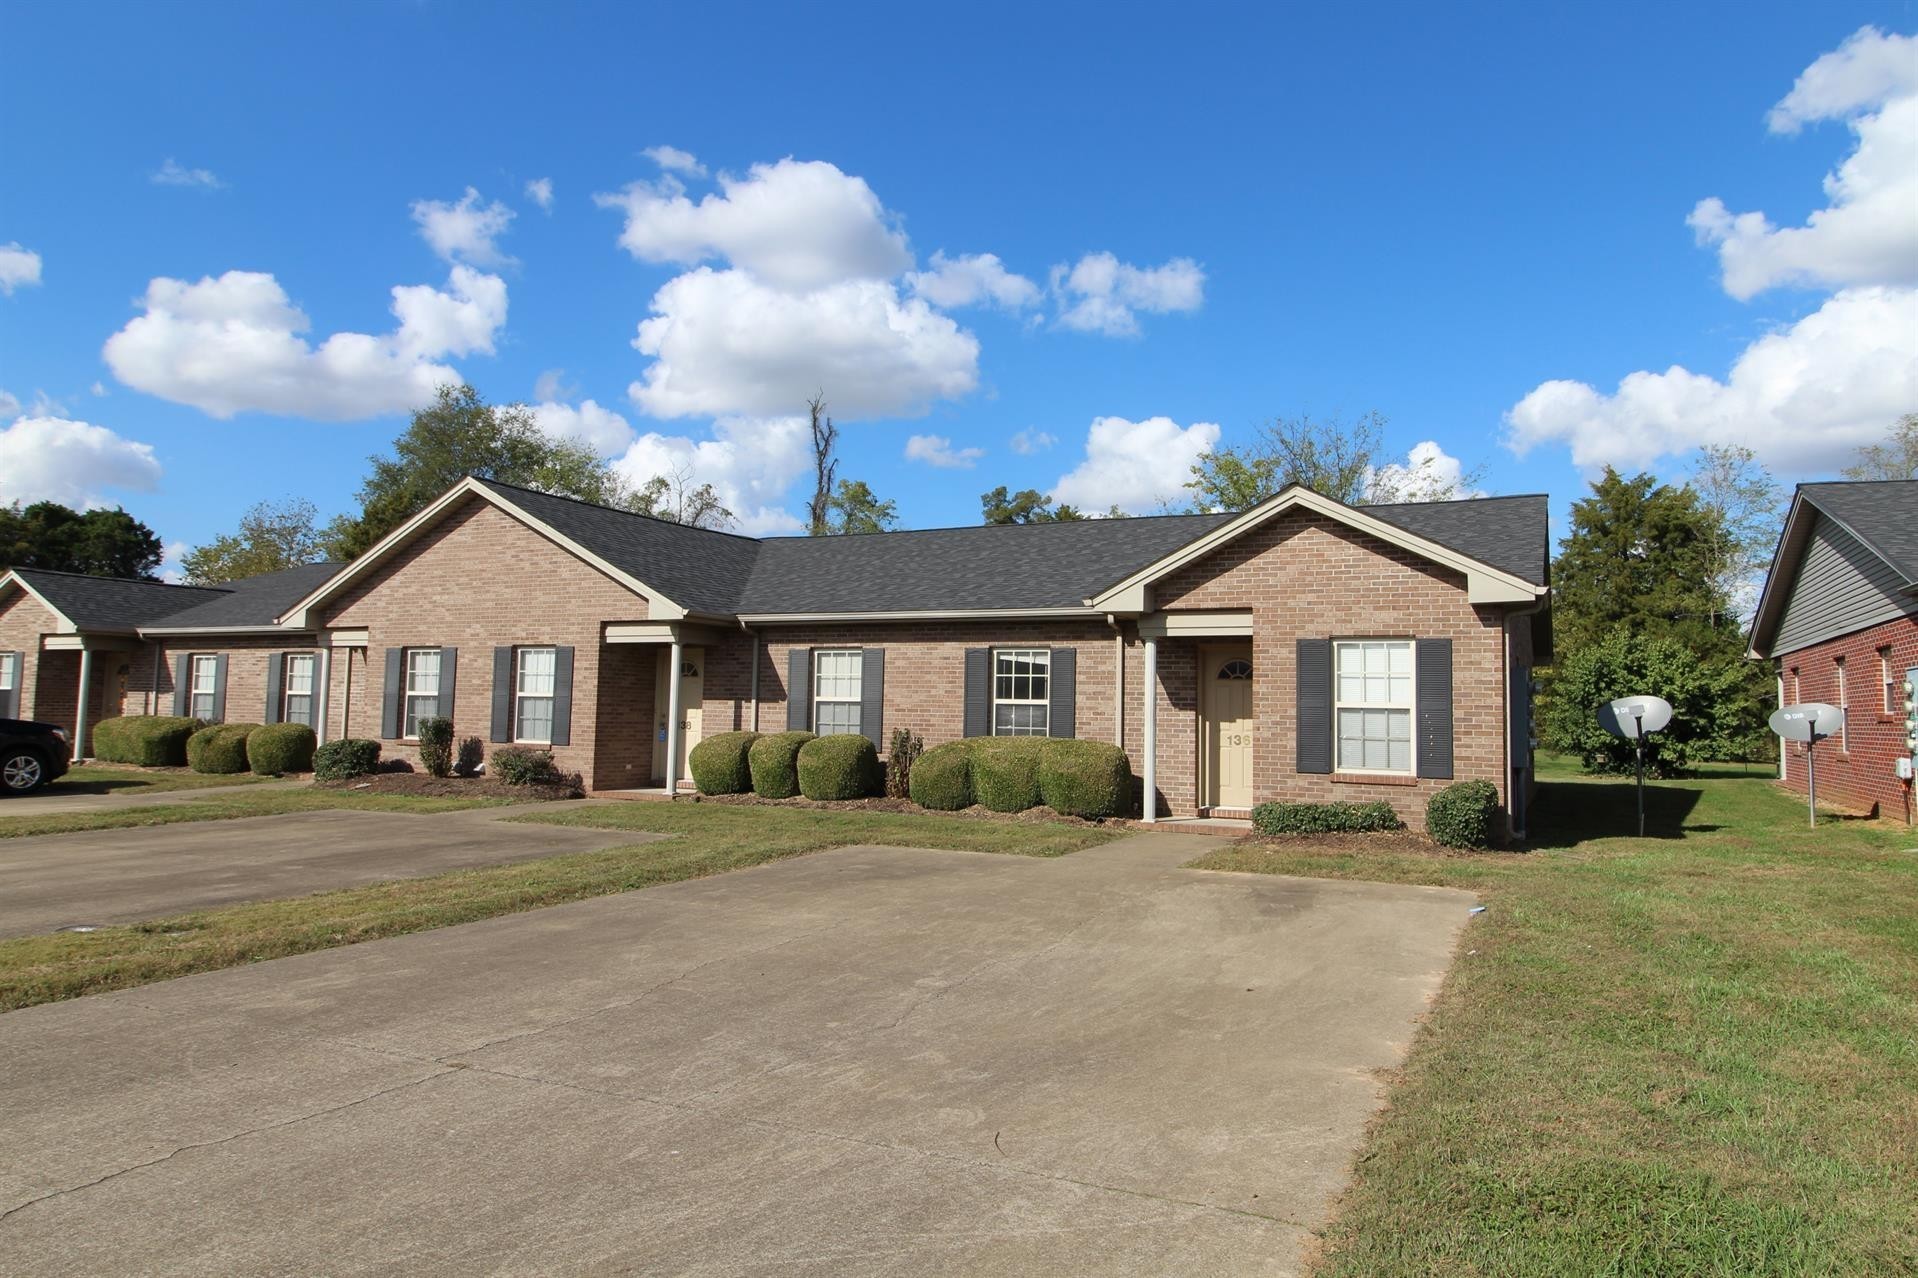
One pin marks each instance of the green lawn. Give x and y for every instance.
(1690, 1054)
(110, 778)
(226, 807)
(707, 839)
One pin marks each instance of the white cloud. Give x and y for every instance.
(969, 280)
(9, 405)
(674, 160)
(1101, 294)
(937, 450)
(1802, 397)
(232, 344)
(1136, 466)
(1428, 473)
(173, 561)
(1032, 440)
(724, 342)
(601, 429)
(18, 267)
(100, 390)
(796, 225)
(173, 173)
(1868, 234)
(55, 459)
(750, 462)
(552, 385)
(466, 231)
(540, 192)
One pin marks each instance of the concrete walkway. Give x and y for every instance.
(866, 1061)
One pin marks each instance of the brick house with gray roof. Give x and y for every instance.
(1302, 649)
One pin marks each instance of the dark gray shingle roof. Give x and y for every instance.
(252, 601)
(1509, 533)
(112, 603)
(1881, 513)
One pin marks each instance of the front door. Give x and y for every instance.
(1226, 760)
(692, 687)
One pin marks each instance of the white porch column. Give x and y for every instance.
(80, 715)
(322, 695)
(1151, 720)
(672, 720)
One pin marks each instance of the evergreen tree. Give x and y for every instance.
(100, 543)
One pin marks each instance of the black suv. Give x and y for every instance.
(31, 754)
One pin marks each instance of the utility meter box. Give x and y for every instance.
(1903, 767)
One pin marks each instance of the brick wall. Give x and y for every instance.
(149, 686)
(23, 620)
(1855, 770)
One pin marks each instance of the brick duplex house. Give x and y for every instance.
(1303, 649)
(1839, 619)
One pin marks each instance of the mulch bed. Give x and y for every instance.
(429, 786)
(1402, 841)
(975, 812)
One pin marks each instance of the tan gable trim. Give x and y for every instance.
(300, 616)
(1484, 584)
(11, 578)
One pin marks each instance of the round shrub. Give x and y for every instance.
(436, 746)
(516, 765)
(1325, 818)
(220, 748)
(345, 759)
(1091, 779)
(151, 741)
(280, 748)
(774, 762)
(843, 766)
(718, 763)
(1463, 815)
(1005, 772)
(471, 756)
(942, 777)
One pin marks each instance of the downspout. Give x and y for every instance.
(1118, 681)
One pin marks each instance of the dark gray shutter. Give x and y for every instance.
(449, 680)
(1315, 706)
(219, 688)
(978, 692)
(390, 694)
(1065, 693)
(10, 699)
(503, 673)
(1433, 669)
(872, 695)
(562, 696)
(275, 685)
(798, 690)
(183, 684)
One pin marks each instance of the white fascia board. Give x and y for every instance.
(1791, 544)
(937, 614)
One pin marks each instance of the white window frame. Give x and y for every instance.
(312, 693)
(1894, 700)
(1410, 706)
(410, 695)
(857, 656)
(210, 662)
(521, 696)
(1042, 669)
(7, 677)
(1844, 707)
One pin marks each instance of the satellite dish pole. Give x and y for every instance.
(1811, 723)
(1638, 753)
(1612, 717)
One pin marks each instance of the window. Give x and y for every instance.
(422, 688)
(1893, 702)
(835, 690)
(206, 681)
(1373, 706)
(7, 676)
(1237, 668)
(300, 681)
(533, 696)
(1021, 692)
(1844, 705)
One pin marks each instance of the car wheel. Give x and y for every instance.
(21, 771)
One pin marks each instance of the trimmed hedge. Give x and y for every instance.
(1090, 779)
(516, 765)
(774, 761)
(151, 741)
(219, 749)
(345, 759)
(1325, 818)
(942, 777)
(842, 766)
(719, 764)
(436, 746)
(280, 748)
(1005, 772)
(1463, 815)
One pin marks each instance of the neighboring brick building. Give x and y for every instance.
(1839, 620)
(1302, 649)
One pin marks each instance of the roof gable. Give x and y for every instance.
(119, 604)
(1847, 559)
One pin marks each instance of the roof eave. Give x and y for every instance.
(919, 614)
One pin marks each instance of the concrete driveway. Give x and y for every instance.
(126, 876)
(867, 1061)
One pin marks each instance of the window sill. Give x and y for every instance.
(1372, 778)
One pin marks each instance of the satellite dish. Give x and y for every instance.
(1627, 716)
(1801, 722)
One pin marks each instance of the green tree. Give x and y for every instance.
(1714, 714)
(857, 509)
(1346, 461)
(1027, 506)
(1896, 458)
(458, 435)
(270, 537)
(1745, 505)
(99, 542)
(676, 499)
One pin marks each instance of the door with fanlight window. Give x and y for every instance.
(1226, 743)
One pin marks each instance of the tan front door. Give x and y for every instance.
(1227, 739)
(692, 688)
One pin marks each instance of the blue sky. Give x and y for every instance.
(1476, 220)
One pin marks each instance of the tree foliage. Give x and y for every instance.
(100, 543)
(676, 499)
(1027, 506)
(457, 435)
(1715, 714)
(1344, 460)
(271, 536)
(1896, 458)
(1744, 505)
(856, 508)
